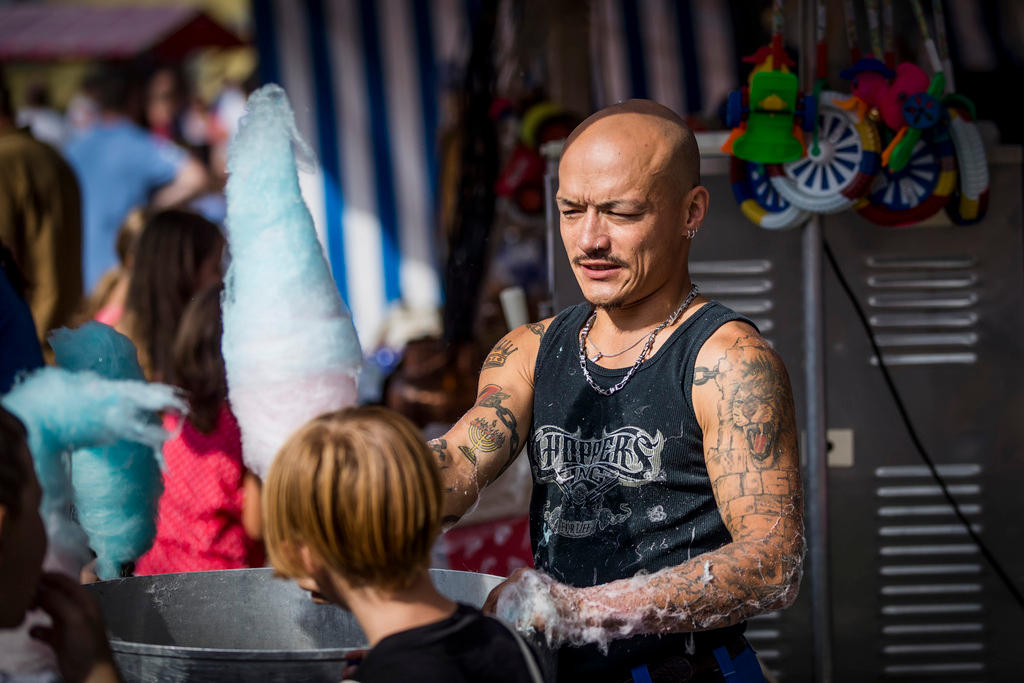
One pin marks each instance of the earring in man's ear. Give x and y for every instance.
(690, 233)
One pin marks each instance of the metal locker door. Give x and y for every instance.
(913, 598)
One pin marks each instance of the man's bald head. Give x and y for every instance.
(630, 201)
(649, 126)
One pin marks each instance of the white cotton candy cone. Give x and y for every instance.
(290, 348)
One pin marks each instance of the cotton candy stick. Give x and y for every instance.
(290, 348)
(116, 487)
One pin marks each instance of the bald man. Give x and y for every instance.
(659, 425)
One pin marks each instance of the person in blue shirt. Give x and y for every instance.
(121, 166)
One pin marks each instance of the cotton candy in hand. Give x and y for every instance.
(290, 348)
(116, 487)
(65, 411)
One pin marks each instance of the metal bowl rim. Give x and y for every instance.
(130, 647)
(269, 570)
(194, 653)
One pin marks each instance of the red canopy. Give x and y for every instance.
(49, 32)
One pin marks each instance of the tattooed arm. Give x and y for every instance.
(744, 404)
(490, 435)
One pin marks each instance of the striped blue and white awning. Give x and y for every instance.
(677, 52)
(363, 78)
(366, 78)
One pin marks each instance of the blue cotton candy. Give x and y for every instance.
(116, 487)
(64, 411)
(290, 349)
(97, 347)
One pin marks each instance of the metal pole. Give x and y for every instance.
(814, 378)
(552, 152)
(816, 478)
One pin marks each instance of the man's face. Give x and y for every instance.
(622, 216)
(22, 547)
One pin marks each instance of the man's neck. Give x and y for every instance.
(384, 613)
(646, 313)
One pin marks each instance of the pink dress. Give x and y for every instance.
(199, 522)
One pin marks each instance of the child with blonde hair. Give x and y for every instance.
(352, 505)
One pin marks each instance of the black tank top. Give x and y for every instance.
(619, 482)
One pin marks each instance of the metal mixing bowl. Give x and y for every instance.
(239, 625)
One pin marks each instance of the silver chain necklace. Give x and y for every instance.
(643, 353)
(601, 354)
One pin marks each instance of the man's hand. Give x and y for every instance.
(534, 602)
(491, 604)
(77, 635)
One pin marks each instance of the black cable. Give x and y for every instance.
(1002, 573)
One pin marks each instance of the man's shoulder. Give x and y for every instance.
(735, 356)
(536, 329)
(573, 312)
(732, 334)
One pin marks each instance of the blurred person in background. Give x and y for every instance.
(220, 124)
(175, 112)
(209, 515)
(120, 166)
(40, 221)
(106, 303)
(39, 116)
(178, 254)
(81, 114)
(227, 109)
(163, 109)
(19, 348)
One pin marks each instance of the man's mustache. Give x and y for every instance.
(578, 260)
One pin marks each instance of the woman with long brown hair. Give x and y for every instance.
(178, 254)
